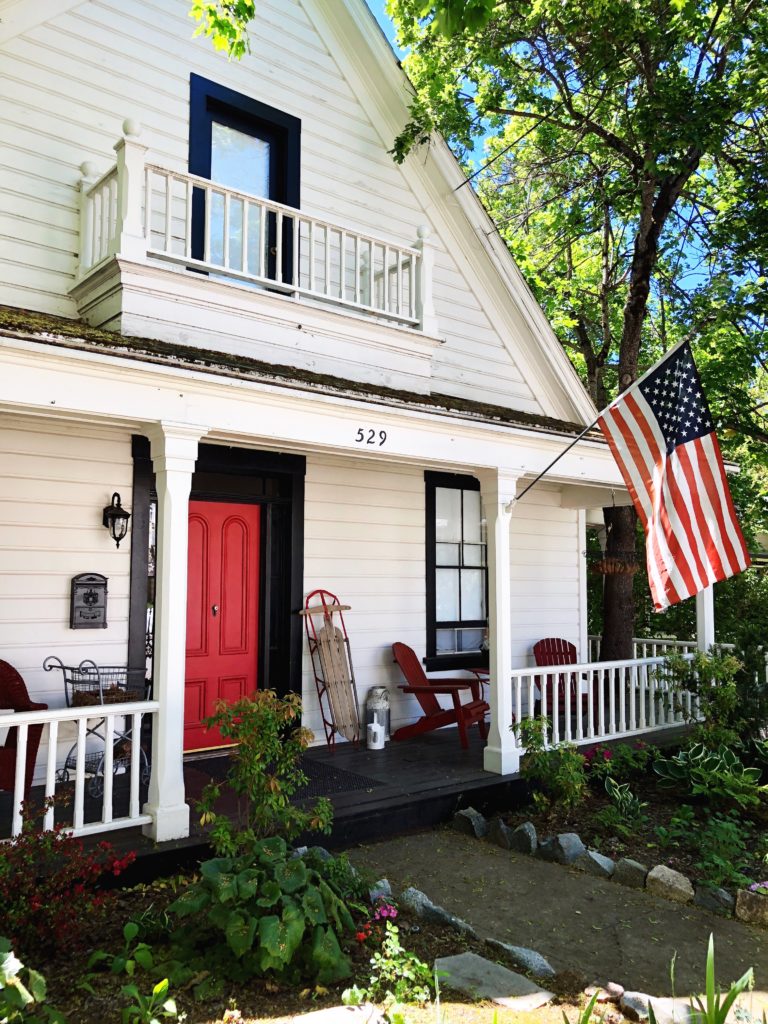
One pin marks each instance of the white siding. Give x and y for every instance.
(365, 542)
(67, 84)
(55, 479)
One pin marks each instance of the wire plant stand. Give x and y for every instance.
(92, 685)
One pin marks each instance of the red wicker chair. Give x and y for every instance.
(13, 694)
(425, 690)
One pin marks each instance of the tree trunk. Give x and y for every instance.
(618, 599)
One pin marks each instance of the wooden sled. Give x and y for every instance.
(332, 666)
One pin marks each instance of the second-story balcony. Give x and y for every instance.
(170, 255)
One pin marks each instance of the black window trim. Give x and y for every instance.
(434, 661)
(209, 102)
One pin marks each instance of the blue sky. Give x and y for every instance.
(377, 7)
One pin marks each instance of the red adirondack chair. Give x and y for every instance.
(426, 690)
(13, 694)
(555, 651)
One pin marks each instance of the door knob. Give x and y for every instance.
(215, 610)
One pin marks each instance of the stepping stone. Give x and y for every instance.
(716, 900)
(630, 872)
(470, 822)
(594, 863)
(481, 979)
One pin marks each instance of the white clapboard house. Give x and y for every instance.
(299, 366)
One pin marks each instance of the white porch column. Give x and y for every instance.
(705, 618)
(174, 451)
(498, 490)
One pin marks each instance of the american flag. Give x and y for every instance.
(661, 433)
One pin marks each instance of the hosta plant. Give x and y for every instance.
(22, 992)
(263, 912)
(719, 775)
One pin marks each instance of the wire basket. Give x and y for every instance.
(89, 684)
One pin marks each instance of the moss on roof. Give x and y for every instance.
(62, 332)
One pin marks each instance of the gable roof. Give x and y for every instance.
(372, 66)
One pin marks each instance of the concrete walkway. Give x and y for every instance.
(606, 931)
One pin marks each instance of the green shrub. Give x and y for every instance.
(625, 813)
(397, 976)
(721, 845)
(717, 775)
(556, 773)
(622, 762)
(265, 772)
(259, 913)
(717, 684)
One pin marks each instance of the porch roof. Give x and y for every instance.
(48, 329)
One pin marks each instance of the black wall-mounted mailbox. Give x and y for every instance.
(88, 604)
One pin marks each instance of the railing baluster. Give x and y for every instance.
(207, 225)
(327, 260)
(625, 677)
(357, 270)
(518, 699)
(20, 778)
(148, 206)
(279, 247)
(227, 211)
(613, 676)
(135, 764)
(342, 263)
(643, 695)
(652, 684)
(244, 261)
(633, 694)
(568, 710)
(399, 281)
(295, 236)
(531, 699)
(109, 767)
(79, 808)
(262, 239)
(168, 212)
(385, 280)
(555, 711)
(601, 703)
(50, 773)
(311, 255)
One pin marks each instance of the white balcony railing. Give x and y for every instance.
(146, 212)
(88, 754)
(656, 647)
(600, 700)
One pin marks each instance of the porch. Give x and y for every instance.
(408, 784)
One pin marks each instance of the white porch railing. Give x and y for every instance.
(656, 647)
(144, 211)
(600, 700)
(82, 718)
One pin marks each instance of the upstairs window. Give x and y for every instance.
(242, 144)
(457, 574)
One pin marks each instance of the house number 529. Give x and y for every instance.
(366, 435)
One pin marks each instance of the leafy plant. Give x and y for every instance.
(711, 680)
(679, 829)
(719, 775)
(556, 772)
(586, 1014)
(622, 762)
(340, 874)
(625, 812)
(149, 1009)
(265, 772)
(263, 912)
(397, 976)
(714, 1009)
(23, 992)
(48, 886)
(722, 849)
(132, 955)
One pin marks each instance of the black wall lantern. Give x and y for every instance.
(115, 519)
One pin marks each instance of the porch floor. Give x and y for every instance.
(407, 786)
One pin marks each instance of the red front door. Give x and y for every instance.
(222, 613)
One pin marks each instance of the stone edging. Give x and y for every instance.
(568, 849)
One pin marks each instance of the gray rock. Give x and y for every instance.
(615, 991)
(500, 834)
(470, 822)
(752, 907)
(563, 849)
(526, 959)
(594, 863)
(717, 901)
(299, 851)
(321, 853)
(612, 992)
(671, 1011)
(422, 906)
(481, 979)
(380, 890)
(630, 872)
(670, 884)
(524, 839)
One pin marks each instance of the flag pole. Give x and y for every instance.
(557, 458)
(586, 430)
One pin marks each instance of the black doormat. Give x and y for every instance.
(323, 779)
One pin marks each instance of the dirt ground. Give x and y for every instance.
(606, 931)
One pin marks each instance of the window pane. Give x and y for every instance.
(447, 554)
(470, 639)
(446, 641)
(472, 517)
(472, 594)
(239, 160)
(474, 554)
(448, 515)
(447, 595)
